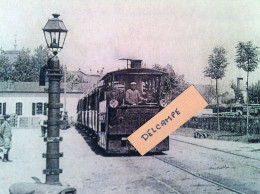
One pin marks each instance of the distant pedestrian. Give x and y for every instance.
(43, 124)
(2, 143)
(6, 133)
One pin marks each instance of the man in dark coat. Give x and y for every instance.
(6, 133)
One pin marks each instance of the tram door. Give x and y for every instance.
(102, 124)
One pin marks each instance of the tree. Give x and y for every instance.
(26, 67)
(5, 68)
(247, 59)
(216, 68)
(175, 83)
(41, 55)
(70, 76)
(254, 92)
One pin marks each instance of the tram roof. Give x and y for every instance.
(134, 71)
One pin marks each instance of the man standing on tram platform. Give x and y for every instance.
(132, 95)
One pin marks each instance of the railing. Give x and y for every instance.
(227, 123)
(28, 122)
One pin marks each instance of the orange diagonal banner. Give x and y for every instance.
(179, 111)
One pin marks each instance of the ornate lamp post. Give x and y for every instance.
(55, 34)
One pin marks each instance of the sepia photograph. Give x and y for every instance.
(133, 96)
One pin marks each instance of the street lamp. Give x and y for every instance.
(55, 34)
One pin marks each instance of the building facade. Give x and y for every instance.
(28, 101)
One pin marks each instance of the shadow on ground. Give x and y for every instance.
(92, 143)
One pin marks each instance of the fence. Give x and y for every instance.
(233, 124)
(28, 122)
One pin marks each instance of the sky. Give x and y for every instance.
(180, 33)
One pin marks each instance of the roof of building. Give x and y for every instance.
(79, 72)
(33, 87)
(11, 55)
(81, 77)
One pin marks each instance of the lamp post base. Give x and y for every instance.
(39, 188)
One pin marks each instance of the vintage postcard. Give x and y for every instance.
(78, 78)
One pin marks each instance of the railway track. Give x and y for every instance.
(170, 189)
(173, 190)
(167, 161)
(216, 149)
(164, 160)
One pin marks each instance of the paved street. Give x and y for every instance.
(90, 171)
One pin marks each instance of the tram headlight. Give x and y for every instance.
(163, 103)
(113, 103)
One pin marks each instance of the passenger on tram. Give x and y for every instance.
(133, 96)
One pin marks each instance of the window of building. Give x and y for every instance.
(19, 107)
(45, 111)
(2, 108)
(33, 108)
(39, 108)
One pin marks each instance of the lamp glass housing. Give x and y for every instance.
(55, 33)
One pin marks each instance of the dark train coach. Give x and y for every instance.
(110, 116)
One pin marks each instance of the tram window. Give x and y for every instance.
(144, 87)
(123, 143)
(84, 104)
(119, 85)
(92, 102)
(102, 96)
(153, 85)
(103, 127)
(157, 85)
(150, 88)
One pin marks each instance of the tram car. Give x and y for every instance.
(107, 115)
